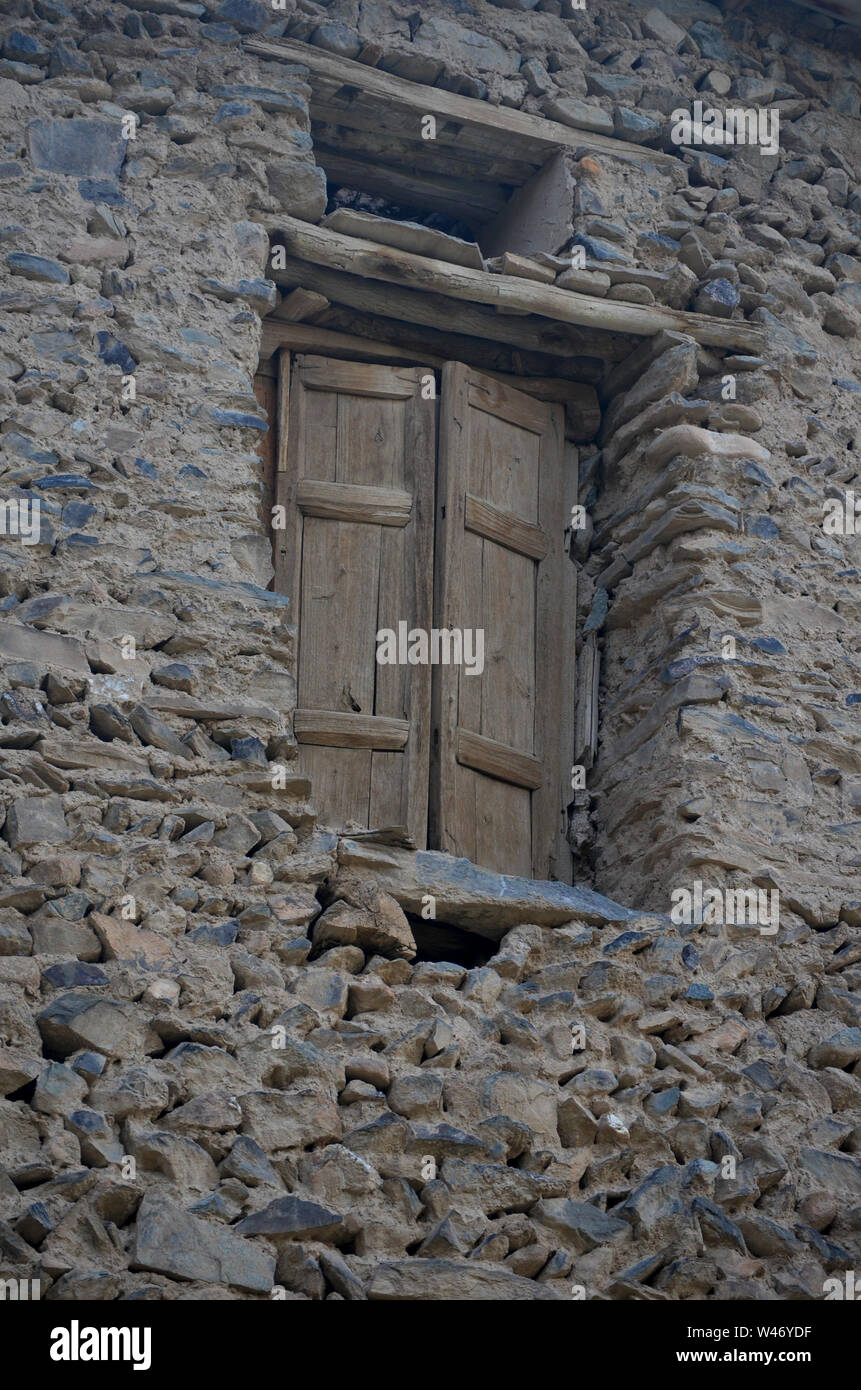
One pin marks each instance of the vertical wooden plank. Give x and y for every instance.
(506, 583)
(281, 551)
(452, 460)
(290, 571)
(554, 734)
(406, 592)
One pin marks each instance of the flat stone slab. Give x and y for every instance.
(169, 1240)
(416, 1280)
(81, 148)
(466, 896)
(406, 236)
(19, 642)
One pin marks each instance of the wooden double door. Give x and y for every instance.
(418, 503)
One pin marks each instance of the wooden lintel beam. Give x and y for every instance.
(518, 134)
(506, 293)
(439, 311)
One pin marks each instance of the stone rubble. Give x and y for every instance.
(231, 1059)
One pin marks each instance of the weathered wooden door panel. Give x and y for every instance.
(359, 500)
(503, 739)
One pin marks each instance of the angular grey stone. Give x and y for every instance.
(837, 1173)
(293, 1218)
(338, 39)
(341, 1277)
(579, 1223)
(840, 1050)
(582, 115)
(37, 268)
(156, 732)
(299, 188)
(717, 297)
(443, 38)
(248, 16)
(655, 1199)
(716, 1226)
(74, 1021)
(631, 125)
(449, 1280)
(766, 1237)
(36, 820)
(247, 1162)
(168, 1240)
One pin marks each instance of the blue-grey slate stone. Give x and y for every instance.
(717, 297)
(338, 39)
(58, 345)
(222, 934)
(74, 974)
(486, 902)
(763, 526)
(233, 589)
(269, 98)
(598, 613)
(115, 353)
(583, 1225)
(716, 1226)
(248, 16)
(66, 61)
(229, 109)
(239, 419)
(25, 48)
(37, 267)
(628, 940)
(630, 125)
(80, 147)
(101, 191)
(600, 250)
(711, 42)
(294, 1218)
(664, 1102)
(74, 481)
(77, 540)
(248, 750)
(762, 1076)
(23, 447)
(248, 1162)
